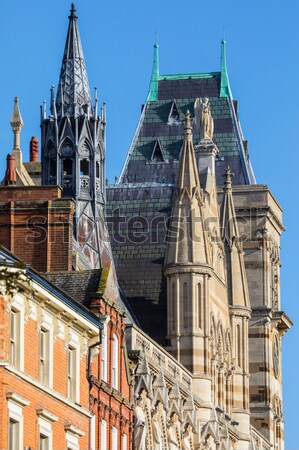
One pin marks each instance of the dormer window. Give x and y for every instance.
(174, 115)
(157, 154)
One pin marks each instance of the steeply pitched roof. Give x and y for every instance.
(81, 285)
(73, 93)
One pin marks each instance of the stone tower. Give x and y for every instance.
(73, 149)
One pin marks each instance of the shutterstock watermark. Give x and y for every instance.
(140, 229)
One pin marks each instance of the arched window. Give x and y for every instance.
(185, 305)
(115, 362)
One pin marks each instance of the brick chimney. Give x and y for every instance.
(34, 149)
(36, 224)
(10, 174)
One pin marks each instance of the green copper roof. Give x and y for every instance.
(153, 90)
(225, 90)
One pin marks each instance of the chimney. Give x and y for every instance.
(10, 174)
(34, 149)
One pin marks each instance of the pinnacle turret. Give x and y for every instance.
(188, 178)
(236, 275)
(73, 97)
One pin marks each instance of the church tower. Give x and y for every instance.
(73, 148)
(198, 317)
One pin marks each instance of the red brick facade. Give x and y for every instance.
(36, 224)
(112, 404)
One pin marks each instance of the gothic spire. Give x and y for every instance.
(225, 90)
(153, 89)
(73, 97)
(188, 178)
(187, 243)
(236, 275)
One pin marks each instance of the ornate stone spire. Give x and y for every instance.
(236, 276)
(73, 97)
(188, 244)
(188, 178)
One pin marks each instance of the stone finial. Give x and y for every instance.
(10, 174)
(16, 123)
(34, 149)
(73, 11)
(228, 178)
(188, 125)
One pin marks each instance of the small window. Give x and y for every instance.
(115, 363)
(44, 357)
(52, 168)
(185, 305)
(125, 442)
(104, 435)
(14, 435)
(97, 170)
(104, 356)
(67, 167)
(15, 338)
(114, 438)
(44, 443)
(71, 373)
(84, 167)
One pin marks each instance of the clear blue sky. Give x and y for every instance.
(118, 37)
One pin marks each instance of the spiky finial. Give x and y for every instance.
(16, 123)
(188, 125)
(73, 11)
(228, 178)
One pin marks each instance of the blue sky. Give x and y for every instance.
(118, 37)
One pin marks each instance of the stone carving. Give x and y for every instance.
(204, 118)
(173, 432)
(157, 431)
(139, 426)
(187, 436)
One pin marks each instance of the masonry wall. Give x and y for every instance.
(36, 224)
(114, 406)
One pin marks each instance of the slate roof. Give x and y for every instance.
(80, 285)
(145, 186)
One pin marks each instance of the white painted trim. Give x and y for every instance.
(45, 389)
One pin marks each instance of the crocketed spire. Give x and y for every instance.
(73, 96)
